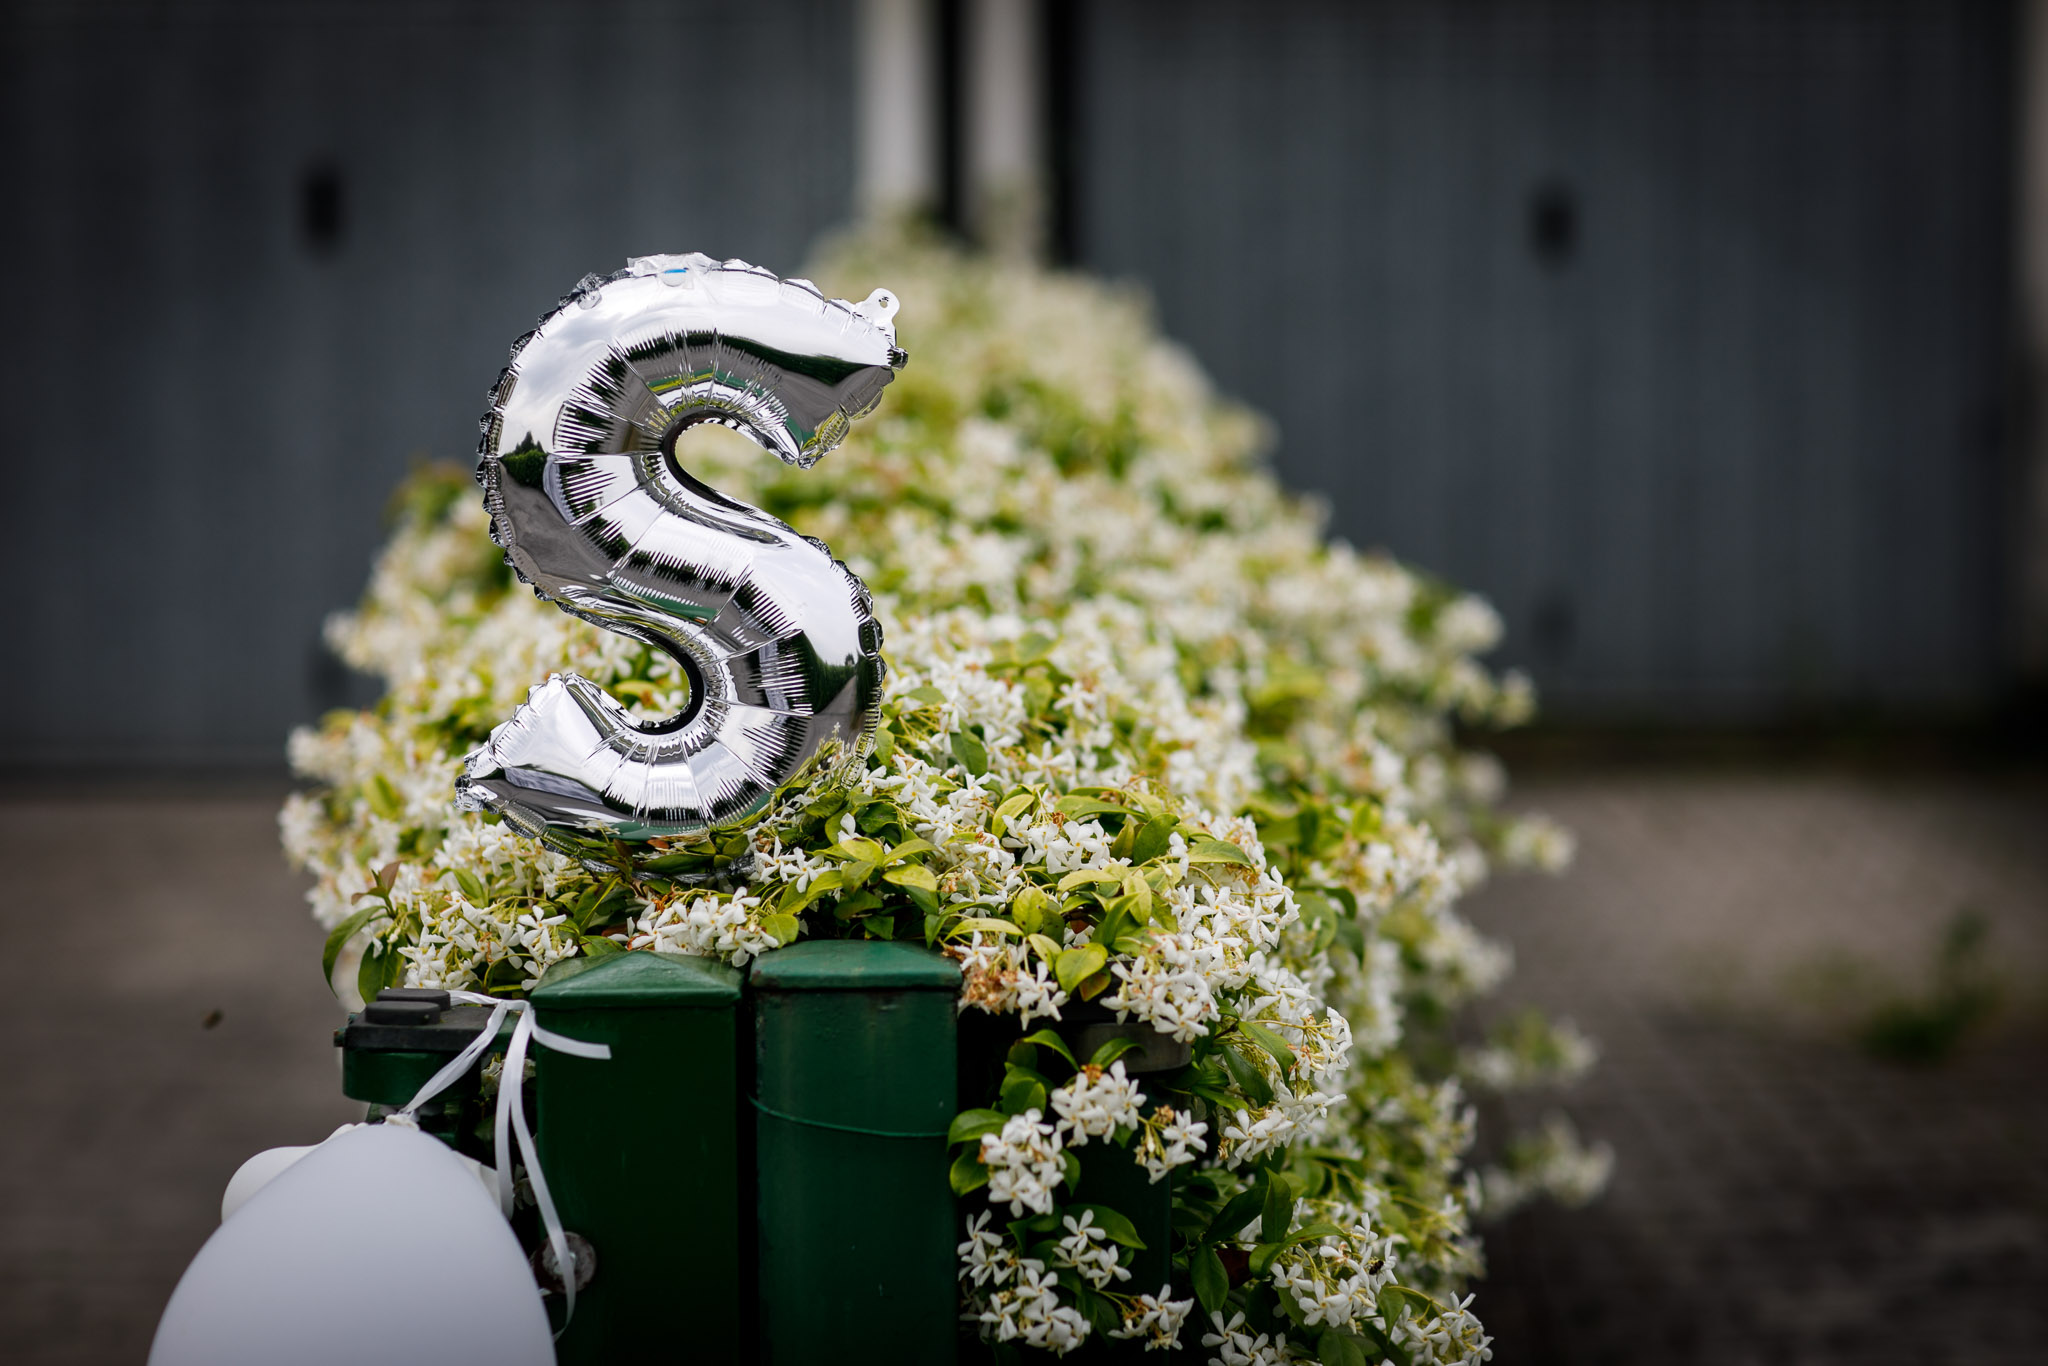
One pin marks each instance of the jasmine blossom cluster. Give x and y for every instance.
(1153, 750)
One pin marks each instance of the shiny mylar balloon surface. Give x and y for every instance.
(777, 639)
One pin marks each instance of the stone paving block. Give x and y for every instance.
(1780, 1196)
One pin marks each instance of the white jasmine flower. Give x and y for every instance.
(1087, 1249)
(1235, 1347)
(1096, 1103)
(1155, 1318)
(1024, 1163)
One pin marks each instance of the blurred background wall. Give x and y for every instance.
(1678, 330)
(268, 255)
(1688, 333)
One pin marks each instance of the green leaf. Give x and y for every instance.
(678, 863)
(1262, 1257)
(1076, 808)
(1280, 832)
(1044, 947)
(378, 971)
(783, 927)
(472, 887)
(1212, 1282)
(338, 937)
(973, 1124)
(1100, 1310)
(912, 875)
(1028, 908)
(879, 927)
(597, 946)
(1117, 1228)
(383, 797)
(1231, 1219)
(1279, 1210)
(982, 924)
(831, 880)
(1338, 1348)
(603, 909)
(1073, 1165)
(1388, 1348)
(1152, 839)
(1081, 877)
(1208, 1079)
(1207, 849)
(1274, 1045)
(969, 752)
(1309, 1233)
(1111, 1051)
(1022, 1090)
(1114, 926)
(967, 1173)
(1045, 1038)
(1012, 808)
(926, 696)
(858, 849)
(1351, 935)
(1248, 1077)
(1132, 911)
(910, 848)
(1075, 964)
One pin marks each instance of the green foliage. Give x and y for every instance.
(1150, 745)
(1927, 1029)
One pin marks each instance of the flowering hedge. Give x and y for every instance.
(1150, 742)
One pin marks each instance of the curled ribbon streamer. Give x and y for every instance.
(511, 1120)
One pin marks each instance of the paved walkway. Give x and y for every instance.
(1780, 1196)
(130, 924)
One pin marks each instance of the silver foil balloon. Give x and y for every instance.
(778, 639)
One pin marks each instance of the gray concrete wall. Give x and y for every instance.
(1680, 330)
(262, 256)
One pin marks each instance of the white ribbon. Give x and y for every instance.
(511, 1122)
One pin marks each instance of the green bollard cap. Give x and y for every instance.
(632, 981)
(855, 965)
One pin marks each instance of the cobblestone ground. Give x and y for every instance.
(1779, 1195)
(125, 1112)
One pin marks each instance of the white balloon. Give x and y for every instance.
(379, 1241)
(260, 1170)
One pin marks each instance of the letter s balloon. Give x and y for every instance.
(778, 639)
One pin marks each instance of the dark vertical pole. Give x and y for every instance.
(949, 51)
(1061, 47)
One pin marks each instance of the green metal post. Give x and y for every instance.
(644, 1158)
(395, 1045)
(854, 1082)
